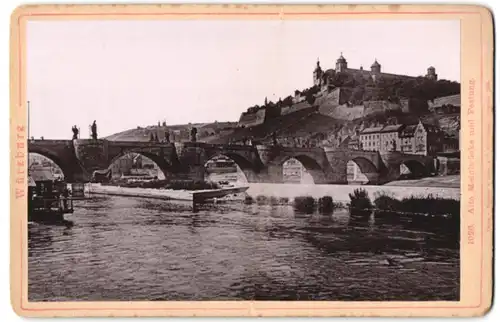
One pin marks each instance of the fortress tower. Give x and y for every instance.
(431, 73)
(376, 67)
(341, 65)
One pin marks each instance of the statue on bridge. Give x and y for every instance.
(93, 129)
(75, 132)
(193, 134)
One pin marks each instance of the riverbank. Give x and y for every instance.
(340, 193)
(451, 181)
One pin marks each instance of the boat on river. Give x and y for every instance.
(50, 200)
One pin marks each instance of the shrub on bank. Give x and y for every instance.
(273, 201)
(262, 200)
(327, 205)
(248, 200)
(386, 204)
(284, 201)
(305, 204)
(360, 204)
(430, 208)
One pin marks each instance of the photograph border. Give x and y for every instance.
(476, 247)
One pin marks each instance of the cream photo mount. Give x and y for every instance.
(476, 79)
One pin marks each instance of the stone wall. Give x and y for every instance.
(252, 119)
(295, 108)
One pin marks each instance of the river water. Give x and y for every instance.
(143, 249)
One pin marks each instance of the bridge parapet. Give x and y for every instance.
(135, 144)
(50, 142)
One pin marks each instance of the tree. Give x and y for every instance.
(357, 95)
(310, 98)
(288, 101)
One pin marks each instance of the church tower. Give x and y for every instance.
(376, 67)
(317, 74)
(341, 65)
(431, 73)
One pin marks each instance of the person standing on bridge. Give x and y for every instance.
(75, 132)
(93, 129)
(193, 134)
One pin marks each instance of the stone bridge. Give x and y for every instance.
(78, 159)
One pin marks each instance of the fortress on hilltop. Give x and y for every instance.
(330, 97)
(324, 78)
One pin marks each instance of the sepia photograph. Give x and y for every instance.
(263, 160)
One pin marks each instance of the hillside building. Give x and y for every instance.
(419, 138)
(369, 138)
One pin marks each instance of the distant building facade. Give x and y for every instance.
(134, 164)
(390, 138)
(292, 171)
(369, 138)
(419, 138)
(295, 172)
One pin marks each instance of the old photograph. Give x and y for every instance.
(243, 159)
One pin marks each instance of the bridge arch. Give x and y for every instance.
(310, 173)
(65, 168)
(162, 164)
(412, 169)
(218, 167)
(361, 170)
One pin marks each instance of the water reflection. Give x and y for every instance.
(135, 249)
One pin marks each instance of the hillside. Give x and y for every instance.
(301, 127)
(180, 132)
(301, 123)
(324, 115)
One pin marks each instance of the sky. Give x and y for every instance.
(125, 74)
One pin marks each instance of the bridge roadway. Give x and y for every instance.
(78, 159)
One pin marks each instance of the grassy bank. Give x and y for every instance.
(427, 208)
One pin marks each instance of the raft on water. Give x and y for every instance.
(167, 194)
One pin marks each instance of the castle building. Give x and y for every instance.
(324, 78)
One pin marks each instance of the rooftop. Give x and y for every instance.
(383, 129)
(409, 131)
(372, 130)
